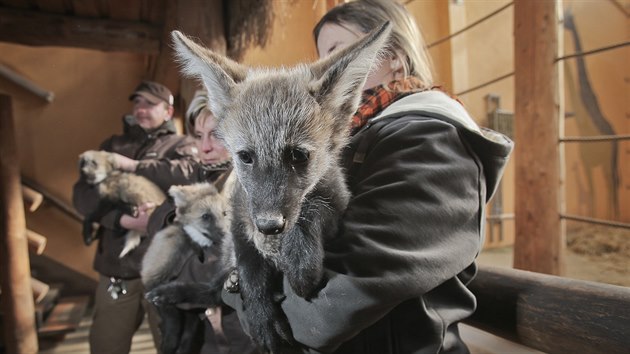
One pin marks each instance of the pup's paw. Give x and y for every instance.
(270, 329)
(167, 294)
(232, 282)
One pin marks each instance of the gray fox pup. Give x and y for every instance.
(201, 222)
(285, 129)
(116, 189)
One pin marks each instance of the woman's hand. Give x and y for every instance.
(140, 222)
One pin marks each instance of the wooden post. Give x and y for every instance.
(539, 240)
(20, 334)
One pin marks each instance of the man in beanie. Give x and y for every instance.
(149, 142)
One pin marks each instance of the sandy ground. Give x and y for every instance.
(595, 253)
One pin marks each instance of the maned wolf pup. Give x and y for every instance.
(285, 130)
(116, 189)
(201, 221)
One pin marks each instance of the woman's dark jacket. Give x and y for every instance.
(420, 175)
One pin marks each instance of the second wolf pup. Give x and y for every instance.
(201, 222)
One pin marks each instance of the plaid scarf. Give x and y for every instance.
(376, 99)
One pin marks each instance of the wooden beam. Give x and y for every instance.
(550, 313)
(539, 240)
(20, 334)
(26, 84)
(41, 29)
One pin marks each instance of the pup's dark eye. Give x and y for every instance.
(205, 216)
(245, 157)
(298, 156)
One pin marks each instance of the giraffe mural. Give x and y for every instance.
(591, 121)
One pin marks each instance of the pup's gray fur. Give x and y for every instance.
(285, 129)
(202, 220)
(123, 189)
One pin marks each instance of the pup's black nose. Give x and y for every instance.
(270, 226)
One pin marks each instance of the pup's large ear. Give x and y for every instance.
(82, 159)
(339, 77)
(218, 73)
(180, 197)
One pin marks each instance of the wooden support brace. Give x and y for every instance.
(36, 242)
(40, 289)
(33, 198)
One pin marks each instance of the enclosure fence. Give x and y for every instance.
(561, 140)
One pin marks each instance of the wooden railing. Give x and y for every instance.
(550, 313)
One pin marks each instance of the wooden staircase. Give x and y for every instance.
(56, 316)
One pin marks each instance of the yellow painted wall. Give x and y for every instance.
(480, 54)
(485, 52)
(599, 24)
(91, 90)
(291, 40)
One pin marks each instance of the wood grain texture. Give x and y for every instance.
(39, 29)
(20, 335)
(550, 313)
(539, 240)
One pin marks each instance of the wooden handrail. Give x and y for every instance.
(68, 210)
(25, 83)
(550, 313)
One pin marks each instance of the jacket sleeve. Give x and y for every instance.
(161, 217)
(413, 222)
(178, 167)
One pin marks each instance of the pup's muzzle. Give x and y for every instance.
(271, 225)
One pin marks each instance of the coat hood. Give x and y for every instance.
(492, 148)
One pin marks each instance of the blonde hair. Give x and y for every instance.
(406, 38)
(197, 106)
